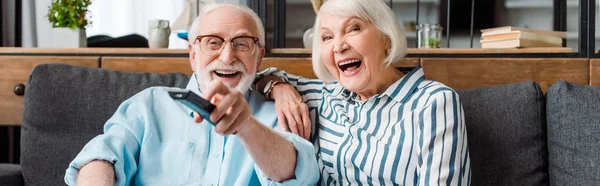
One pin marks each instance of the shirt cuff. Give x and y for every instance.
(96, 150)
(307, 169)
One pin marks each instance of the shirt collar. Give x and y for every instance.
(402, 89)
(193, 84)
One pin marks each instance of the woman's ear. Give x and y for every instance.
(388, 43)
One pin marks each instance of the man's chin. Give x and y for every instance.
(231, 82)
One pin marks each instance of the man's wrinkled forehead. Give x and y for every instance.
(228, 21)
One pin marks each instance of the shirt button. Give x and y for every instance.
(215, 155)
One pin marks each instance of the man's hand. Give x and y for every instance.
(232, 111)
(290, 107)
(273, 154)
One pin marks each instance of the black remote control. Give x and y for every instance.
(193, 101)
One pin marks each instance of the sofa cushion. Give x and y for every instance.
(506, 134)
(66, 106)
(574, 134)
(10, 174)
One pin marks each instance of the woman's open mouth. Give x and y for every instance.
(350, 67)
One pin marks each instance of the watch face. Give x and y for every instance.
(267, 87)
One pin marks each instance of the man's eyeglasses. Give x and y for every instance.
(212, 45)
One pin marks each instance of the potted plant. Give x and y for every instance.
(69, 19)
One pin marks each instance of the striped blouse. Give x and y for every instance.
(412, 134)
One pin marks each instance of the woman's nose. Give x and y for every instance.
(341, 46)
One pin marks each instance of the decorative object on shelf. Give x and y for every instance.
(429, 35)
(158, 33)
(516, 37)
(307, 38)
(68, 19)
(183, 35)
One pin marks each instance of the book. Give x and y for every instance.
(507, 29)
(519, 43)
(519, 34)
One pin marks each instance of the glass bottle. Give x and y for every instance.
(429, 35)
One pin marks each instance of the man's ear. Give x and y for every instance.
(260, 57)
(192, 57)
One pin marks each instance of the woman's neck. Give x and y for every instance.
(385, 82)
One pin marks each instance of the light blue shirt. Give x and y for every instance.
(152, 140)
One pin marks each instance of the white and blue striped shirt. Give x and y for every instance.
(412, 134)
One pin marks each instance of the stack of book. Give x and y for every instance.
(515, 37)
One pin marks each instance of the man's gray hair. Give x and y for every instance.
(193, 32)
(373, 11)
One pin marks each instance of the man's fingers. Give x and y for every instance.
(291, 122)
(239, 122)
(222, 106)
(227, 122)
(215, 87)
(197, 118)
(306, 121)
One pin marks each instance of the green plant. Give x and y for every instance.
(69, 13)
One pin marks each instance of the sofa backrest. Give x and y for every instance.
(573, 116)
(66, 106)
(506, 131)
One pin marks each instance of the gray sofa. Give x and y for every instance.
(517, 136)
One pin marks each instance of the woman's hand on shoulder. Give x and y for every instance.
(292, 112)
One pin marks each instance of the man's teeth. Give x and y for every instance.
(349, 61)
(225, 72)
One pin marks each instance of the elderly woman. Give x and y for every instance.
(376, 125)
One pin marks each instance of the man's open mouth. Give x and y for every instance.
(350, 66)
(226, 73)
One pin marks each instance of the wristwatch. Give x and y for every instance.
(269, 88)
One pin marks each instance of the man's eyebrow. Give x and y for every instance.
(242, 33)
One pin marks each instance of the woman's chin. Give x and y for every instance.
(353, 84)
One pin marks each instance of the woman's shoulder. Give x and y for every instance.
(435, 89)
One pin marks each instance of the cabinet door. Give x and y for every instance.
(595, 72)
(15, 70)
(466, 73)
(148, 64)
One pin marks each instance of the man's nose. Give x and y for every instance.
(227, 55)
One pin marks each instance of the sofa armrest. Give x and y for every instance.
(10, 175)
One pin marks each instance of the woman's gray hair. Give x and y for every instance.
(193, 32)
(373, 11)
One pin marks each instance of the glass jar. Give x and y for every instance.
(429, 35)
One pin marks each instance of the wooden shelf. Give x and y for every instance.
(447, 50)
(143, 51)
(25, 51)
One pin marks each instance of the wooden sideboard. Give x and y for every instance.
(458, 73)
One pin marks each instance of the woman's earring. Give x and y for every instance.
(387, 51)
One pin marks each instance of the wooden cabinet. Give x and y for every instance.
(466, 73)
(458, 73)
(15, 70)
(148, 64)
(595, 72)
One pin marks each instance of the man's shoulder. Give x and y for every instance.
(148, 97)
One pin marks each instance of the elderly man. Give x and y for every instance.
(152, 139)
